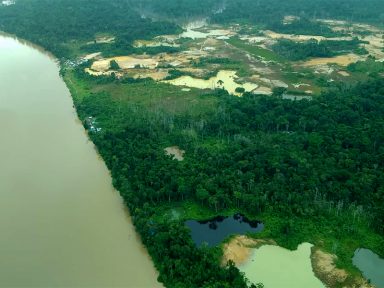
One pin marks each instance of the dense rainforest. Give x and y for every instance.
(312, 48)
(268, 12)
(59, 25)
(312, 170)
(315, 165)
(265, 12)
(304, 157)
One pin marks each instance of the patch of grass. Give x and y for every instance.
(159, 96)
(256, 51)
(148, 94)
(223, 64)
(79, 88)
(291, 77)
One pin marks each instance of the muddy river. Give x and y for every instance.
(62, 224)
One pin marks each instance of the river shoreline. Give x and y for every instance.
(69, 226)
(248, 245)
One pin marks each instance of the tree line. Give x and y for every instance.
(259, 155)
(60, 26)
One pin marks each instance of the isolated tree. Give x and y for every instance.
(278, 91)
(239, 90)
(113, 65)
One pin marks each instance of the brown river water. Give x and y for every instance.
(61, 222)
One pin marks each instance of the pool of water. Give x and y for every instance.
(277, 267)
(371, 265)
(224, 79)
(214, 231)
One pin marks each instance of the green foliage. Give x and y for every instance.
(278, 91)
(56, 25)
(304, 26)
(179, 262)
(174, 73)
(157, 50)
(301, 50)
(270, 12)
(369, 66)
(240, 90)
(272, 151)
(312, 48)
(256, 51)
(181, 10)
(212, 63)
(114, 65)
(311, 161)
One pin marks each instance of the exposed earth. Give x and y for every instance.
(204, 53)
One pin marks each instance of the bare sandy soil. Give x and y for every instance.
(274, 82)
(254, 39)
(290, 19)
(300, 38)
(125, 62)
(167, 38)
(153, 43)
(239, 249)
(207, 43)
(155, 74)
(263, 90)
(333, 22)
(149, 62)
(344, 73)
(325, 269)
(375, 46)
(92, 56)
(323, 69)
(148, 65)
(176, 152)
(105, 73)
(342, 60)
(224, 79)
(216, 33)
(101, 40)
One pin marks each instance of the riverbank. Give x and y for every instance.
(62, 221)
(291, 164)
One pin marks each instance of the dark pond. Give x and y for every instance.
(371, 265)
(214, 231)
